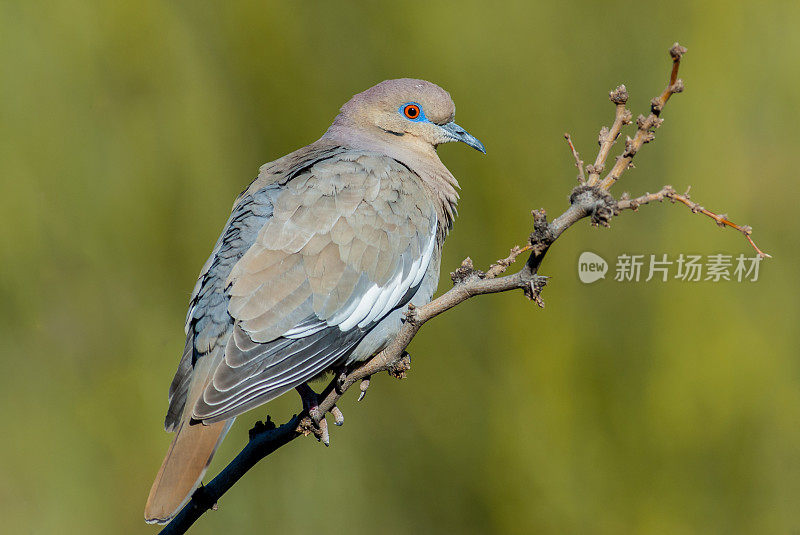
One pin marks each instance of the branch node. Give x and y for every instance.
(542, 235)
(595, 169)
(307, 426)
(260, 427)
(533, 290)
(465, 272)
(596, 203)
(398, 369)
(656, 105)
(630, 149)
(601, 137)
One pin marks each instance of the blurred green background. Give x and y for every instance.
(127, 129)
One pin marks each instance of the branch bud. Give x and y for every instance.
(656, 105)
(601, 137)
(619, 95)
(627, 117)
(677, 51)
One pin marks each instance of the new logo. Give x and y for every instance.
(591, 267)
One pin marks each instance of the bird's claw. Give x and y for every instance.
(341, 379)
(315, 423)
(338, 417)
(363, 387)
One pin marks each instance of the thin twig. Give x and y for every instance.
(646, 126)
(578, 161)
(501, 265)
(668, 192)
(607, 137)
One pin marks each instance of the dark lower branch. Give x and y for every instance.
(265, 438)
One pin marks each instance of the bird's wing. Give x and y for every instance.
(208, 324)
(347, 240)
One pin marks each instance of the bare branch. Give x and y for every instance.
(668, 192)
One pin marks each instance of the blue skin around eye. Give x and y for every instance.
(419, 119)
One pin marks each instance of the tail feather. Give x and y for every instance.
(183, 468)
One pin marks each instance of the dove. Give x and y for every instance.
(321, 255)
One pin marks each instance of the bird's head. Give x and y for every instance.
(414, 111)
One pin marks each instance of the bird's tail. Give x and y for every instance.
(183, 468)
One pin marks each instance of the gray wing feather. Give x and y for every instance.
(208, 321)
(305, 269)
(282, 365)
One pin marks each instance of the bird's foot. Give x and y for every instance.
(315, 423)
(341, 378)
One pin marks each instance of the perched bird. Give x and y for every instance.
(319, 258)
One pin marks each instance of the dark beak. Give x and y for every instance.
(456, 133)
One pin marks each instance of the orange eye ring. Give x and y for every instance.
(411, 111)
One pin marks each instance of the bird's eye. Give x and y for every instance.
(411, 111)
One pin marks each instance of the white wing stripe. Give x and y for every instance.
(346, 312)
(380, 303)
(426, 260)
(399, 290)
(301, 332)
(383, 298)
(363, 308)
